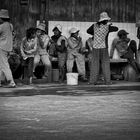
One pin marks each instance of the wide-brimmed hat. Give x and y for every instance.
(73, 30)
(104, 16)
(4, 13)
(122, 32)
(58, 26)
(41, 27)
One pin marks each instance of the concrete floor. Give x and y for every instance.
(69, 113)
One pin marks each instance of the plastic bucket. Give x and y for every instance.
(55, 75)
(72, 78)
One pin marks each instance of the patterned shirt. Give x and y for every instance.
(100, 33)
(111, 28)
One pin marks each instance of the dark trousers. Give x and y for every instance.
(29, 62)
(132, 49)
(100, 57)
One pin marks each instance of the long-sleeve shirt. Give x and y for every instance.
(42, 44)
(111, 28)
(74, 44)
(28, 48)
(6, 39)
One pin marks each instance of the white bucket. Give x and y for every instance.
(72, 78)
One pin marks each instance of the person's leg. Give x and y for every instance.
(105, 63)
(36, 61)
(48, 67)
(5, 68)
(80, 62)
(70, 62)
(30, 62)
(94, 68)
(130, 57)
(61, 65)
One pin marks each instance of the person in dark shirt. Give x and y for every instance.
(100, 31)
(126, 49)
(58, 48)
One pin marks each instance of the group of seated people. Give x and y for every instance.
(38, 47)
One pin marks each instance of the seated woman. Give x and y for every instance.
(126, 49)
(75, 52)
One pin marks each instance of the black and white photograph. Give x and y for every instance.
(69, 70)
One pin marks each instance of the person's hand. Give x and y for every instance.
(109, 23)
(79, 38)
(51, 41)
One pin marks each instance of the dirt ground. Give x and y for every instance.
(67, 114)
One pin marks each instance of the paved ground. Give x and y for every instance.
(61, 112)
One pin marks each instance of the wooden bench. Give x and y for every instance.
(117, 66)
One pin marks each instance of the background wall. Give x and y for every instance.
(25, 13)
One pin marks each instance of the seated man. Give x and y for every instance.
(58, 48)
(126, 49)
(75, 50)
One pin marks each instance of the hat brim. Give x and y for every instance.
(124, 33)
(104, 19)
(41, 29)
(55, 28)
(74, 32)
(4, 17)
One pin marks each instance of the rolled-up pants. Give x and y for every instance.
(46, 62)
(80, 62)
(100, 57)
(4, 66)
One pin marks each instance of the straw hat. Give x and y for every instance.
(104, 16)
(73, 30)
(59, 27)
(4, 13)
(41, 27)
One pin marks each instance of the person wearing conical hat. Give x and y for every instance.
(6, 46)
(59, 49)
(42, 53)
(75, 53)
(100, 57)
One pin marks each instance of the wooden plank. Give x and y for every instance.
(60, 9)
(83, 10)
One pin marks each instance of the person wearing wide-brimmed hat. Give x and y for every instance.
(126, 48)
(42, 54)
(6, 46)
(100, 31)
(75, 53)
(58, 48)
